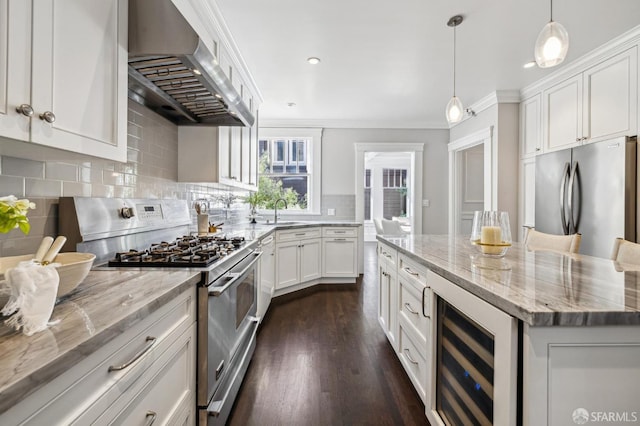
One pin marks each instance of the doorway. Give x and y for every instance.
(470, 194)
(406, 156)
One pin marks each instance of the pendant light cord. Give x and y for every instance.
(551, 1)
(454, 60)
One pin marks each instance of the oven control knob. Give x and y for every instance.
(127, 212)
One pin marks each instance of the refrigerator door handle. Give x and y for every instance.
(572, 225)
(563, 184)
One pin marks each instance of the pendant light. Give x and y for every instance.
(454, 109)
(552, 44)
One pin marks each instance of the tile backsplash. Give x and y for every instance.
(151, 171)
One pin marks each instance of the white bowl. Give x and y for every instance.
(73, 268)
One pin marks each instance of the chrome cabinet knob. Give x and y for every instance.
(25, 109)
(48, 116)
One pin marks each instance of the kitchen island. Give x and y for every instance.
(566, 327)
(64, 373)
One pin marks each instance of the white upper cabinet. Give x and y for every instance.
(611, 98)
(531, 126)
(66, 65)
(597, 104)
(562, 114)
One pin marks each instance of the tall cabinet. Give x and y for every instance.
(65, 64)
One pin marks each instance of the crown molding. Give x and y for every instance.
(352, 124)
(611, 48)
(493, 98)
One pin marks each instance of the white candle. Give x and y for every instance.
(490, 235)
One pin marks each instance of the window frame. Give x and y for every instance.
(314, 170)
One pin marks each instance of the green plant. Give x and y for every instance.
(270, 189)
(13, 214)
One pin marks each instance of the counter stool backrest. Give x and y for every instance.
(626, 252)
(536, 240)
(379, 228)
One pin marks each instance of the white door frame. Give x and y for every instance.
(416, 150)
(485, 137)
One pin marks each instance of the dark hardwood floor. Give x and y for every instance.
(323, 359)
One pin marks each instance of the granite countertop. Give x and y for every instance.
(539, 288)
(257, 231)
(101, 308)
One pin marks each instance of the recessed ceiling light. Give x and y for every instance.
(291, 104)
(313, 60)
(530, 64)
(196, 71)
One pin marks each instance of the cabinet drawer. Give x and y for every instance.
(339, 232)
(164, 392)
(389, 254)
(85, 391)
(412, 356)
(298, 234)
(412, 270)
(414, 305)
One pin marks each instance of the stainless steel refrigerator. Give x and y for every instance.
(590, 189)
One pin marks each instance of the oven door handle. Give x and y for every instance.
(234, 277)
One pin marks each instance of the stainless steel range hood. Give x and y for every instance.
(172, 72)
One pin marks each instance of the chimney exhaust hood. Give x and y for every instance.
(173, 73)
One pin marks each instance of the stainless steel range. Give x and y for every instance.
(143, 233)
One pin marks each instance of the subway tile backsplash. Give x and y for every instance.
(150, 172)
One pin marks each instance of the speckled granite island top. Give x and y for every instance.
(539, 288)
(102, 307)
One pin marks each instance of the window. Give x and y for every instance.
(290, 163)
(394, 183)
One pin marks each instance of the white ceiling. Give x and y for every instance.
(389, 63)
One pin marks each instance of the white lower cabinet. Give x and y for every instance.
(388, 296)
(413, 355)
(340, 252)
(149, 368)
(267, 274)
(298, 256)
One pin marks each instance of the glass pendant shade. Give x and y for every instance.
(454, 110)
(552, 45)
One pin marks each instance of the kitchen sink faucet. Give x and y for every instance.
(275, 209)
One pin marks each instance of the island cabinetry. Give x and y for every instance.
(388, 292)
(298, 256)
(339, 252)
(414, 322)
(147, 371)
(50, 97)
(598, 104)
(581, 371)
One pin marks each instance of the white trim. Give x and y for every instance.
(353, 124)
(314, 169)
(485, 137)
(611, 48)
(416, 150)
(493, 98)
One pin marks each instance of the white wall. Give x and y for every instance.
(338, 166)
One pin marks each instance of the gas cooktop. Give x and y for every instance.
(186, 251)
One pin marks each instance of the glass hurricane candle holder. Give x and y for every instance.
(491, 232)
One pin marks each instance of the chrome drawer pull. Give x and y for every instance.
(150, 342)
(410, 309)
(301, 233)
(151, 417)
(339, 232)
(408, 270)
(339, 239)
(413, 361)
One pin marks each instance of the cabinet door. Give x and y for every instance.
(310, 259)
(253, 155)
(79, 76)
(245, 155)
(224, 150)
(287, 264)
(610, 97)
(339, 257)
(530, 126)
(235, 154)
(393, 308)
(383, 294)
(528, 194)
(15, 67)
(563, 114)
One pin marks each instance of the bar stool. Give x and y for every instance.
(626, 252)
(536, 240)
